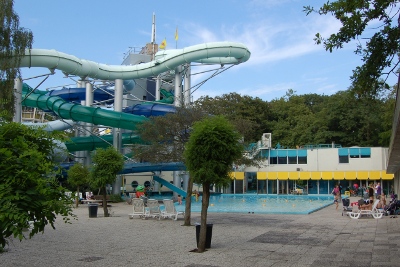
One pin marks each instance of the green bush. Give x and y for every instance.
(116, 198)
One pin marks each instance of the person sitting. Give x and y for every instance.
(382, 201)
(89, 195)
(367, 206)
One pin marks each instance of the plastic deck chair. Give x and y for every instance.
(374, 212)
(170, 211)
(138, 208)
(153, 209)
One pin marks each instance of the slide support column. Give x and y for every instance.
(178, 88)
(186, 90)
(18, 99)
(117, 139)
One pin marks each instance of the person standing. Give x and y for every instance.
(336, 193)
(340, 192)
(371, 192)
(378, 190)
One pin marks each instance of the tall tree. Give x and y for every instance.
(29, 191)
(249, 115)
(78, 175)
(379, 52)
(13, 42)
(106, 164)
(166, 137)
(212, 149)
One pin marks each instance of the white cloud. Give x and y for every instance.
(269, 41)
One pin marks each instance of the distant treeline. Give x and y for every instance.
(345, 118)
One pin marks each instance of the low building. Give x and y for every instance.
(312, 169)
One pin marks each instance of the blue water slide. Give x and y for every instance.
(150, 110)
(169, 185)
(79, 94)
(148, 167)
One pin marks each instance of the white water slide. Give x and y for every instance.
(207, 53)
(210, 53)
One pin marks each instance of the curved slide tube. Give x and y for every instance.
(92, 142)
(79, 94)
(57, 125)
(218, 53)
(77, 112)
(140, 111)
(142, 167)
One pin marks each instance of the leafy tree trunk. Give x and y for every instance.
(77, 197)
(204, 207)
(105, 209)
(189, 191)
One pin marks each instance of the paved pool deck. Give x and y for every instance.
(322, 238)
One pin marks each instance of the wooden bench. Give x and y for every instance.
(97, 199)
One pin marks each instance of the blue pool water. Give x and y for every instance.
(265, 204)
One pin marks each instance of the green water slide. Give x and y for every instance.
(92, 142)
(70, 111)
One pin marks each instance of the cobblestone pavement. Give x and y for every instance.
(323, 238)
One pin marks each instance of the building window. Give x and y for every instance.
(292, 156)
(354, 153)
(282, 156)
(365, 152)
(292, 160)
(343, 155)
(282, 160)
(273, 157)
(273, 160)
(302, 160)
(302, 156)
(344, 159)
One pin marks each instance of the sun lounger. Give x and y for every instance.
(138, 208)
(153, 209)
(170, 211)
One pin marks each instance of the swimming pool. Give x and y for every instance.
(265, 204)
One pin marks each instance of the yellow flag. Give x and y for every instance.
(176, 34)
(163, 44)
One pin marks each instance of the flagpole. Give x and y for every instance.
(176, 38)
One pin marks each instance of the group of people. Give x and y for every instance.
(374, 191)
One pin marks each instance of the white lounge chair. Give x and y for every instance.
(374, 212)
(153, 209)
(170, 211)
(355, 213)
(138, 208)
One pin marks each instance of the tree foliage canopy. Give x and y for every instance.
(165, 136)
(359, 19)
(13, 42)
(78, 175)
(212, 148)
(106, 164)
(29, 191)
